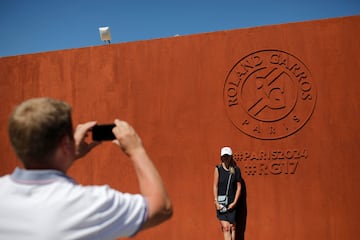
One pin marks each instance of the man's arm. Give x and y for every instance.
(151, 184)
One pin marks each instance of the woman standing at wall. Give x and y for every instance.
(226, 190)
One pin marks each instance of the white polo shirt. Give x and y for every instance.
(48, 205)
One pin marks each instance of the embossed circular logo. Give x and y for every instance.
(269, 94)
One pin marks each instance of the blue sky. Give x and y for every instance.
(31, 26)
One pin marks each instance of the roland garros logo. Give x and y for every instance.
(269, 94)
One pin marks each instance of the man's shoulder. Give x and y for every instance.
(3, 177)
(4, 180)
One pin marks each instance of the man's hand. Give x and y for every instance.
(81, 146)
(126, 137)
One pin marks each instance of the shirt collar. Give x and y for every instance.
(26, 176)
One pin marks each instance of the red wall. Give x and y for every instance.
(284, 97)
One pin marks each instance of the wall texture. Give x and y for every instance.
(284, 97)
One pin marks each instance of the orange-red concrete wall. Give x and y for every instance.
(284, 97)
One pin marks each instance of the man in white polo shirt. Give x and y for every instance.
(40, 201)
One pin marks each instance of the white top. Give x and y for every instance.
(47, 204)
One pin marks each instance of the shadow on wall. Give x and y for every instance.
(241, 210)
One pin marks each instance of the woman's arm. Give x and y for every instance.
(237, 196)
(238, 188)
(215, 188)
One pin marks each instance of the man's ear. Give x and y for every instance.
(64, 154)
(66, 144)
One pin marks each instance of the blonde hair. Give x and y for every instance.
(36, 127)
(232, 170)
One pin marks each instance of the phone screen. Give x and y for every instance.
(103, 132)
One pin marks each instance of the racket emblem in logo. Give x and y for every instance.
(269, 94)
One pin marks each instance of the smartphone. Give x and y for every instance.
(103, 132)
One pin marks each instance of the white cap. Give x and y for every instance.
(226, 151)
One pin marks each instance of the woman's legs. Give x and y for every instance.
(233, 231)
(228, 230)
